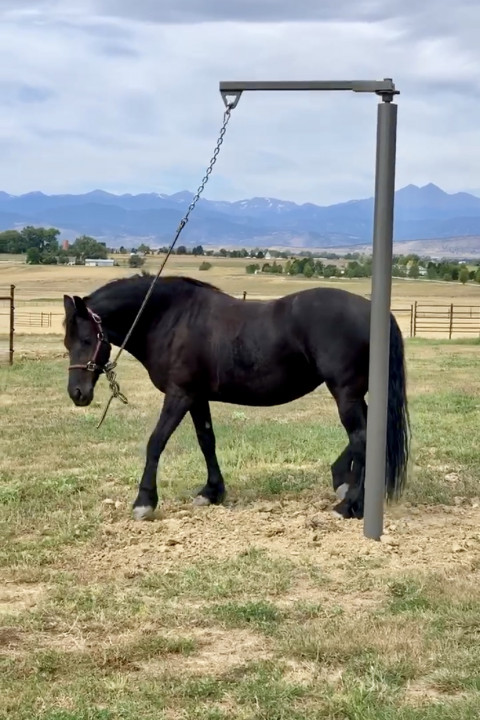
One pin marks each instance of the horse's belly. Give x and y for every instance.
(274, 389)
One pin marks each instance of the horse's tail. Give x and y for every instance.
(398, 428)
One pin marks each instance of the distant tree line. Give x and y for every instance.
(413, 266)
(41, 246)
(360, 266)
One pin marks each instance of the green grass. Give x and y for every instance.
(244, 612)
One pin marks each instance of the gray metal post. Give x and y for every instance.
(381, 272)
(380, 318)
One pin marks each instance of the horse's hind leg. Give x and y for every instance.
(214, 491)
(342, 473)
(353, 414)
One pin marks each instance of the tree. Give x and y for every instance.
(34, 256)
(135, 261)
(464, 275)
(11, 241)
(181, 250)
(198, 250)
(414, 271)
(87, 247)
(144, 249)
(45, 239)
(477, 276)
(330, 271)
(308, 270)
(319, 268)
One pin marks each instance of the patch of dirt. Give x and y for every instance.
(439, 538)
(16, 598)
(219, 652)
(10, 637)
(419, 692)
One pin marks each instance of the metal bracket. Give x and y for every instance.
(227, 95)
(388, 95)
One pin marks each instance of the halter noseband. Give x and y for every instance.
(92, 365)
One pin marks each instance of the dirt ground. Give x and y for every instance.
(424, 538)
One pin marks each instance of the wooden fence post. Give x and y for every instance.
(450, 328)
(415, 319)
(11, 348)
(244, 294)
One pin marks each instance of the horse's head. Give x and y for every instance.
(88, 349)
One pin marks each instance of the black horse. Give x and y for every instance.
(199, 344)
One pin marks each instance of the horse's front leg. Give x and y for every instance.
(175, 406)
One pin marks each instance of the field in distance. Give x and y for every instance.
(41, 288)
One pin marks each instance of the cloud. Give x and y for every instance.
(271, 11)
(124, 95)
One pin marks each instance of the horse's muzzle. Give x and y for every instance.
(80, 397)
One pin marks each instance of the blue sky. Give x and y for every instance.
(123, 95)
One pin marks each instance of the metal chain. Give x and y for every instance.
(110, 368)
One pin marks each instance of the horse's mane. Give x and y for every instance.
(141, 282)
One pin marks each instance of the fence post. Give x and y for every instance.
(11, 348)
(415, 319)
(244, 294)
(411, 320)
(451, 323)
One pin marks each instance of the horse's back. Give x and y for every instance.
(275, 351)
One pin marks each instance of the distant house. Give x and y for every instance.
(100, 262)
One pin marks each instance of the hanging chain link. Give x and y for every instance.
(201, 187)
(110, 367)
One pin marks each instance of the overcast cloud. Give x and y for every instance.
(123, 95)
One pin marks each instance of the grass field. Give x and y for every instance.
(267, 608)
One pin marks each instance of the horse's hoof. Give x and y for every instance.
(201, 501)
(143, 512)
(341, 491)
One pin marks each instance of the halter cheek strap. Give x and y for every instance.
(92, 365)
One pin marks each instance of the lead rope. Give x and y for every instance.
(110, 367)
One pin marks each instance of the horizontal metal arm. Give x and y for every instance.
(234, 89)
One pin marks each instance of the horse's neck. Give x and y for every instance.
(118, 317)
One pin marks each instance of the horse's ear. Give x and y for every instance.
(69, 306)
(80, 307)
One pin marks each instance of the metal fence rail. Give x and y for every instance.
(449, 319)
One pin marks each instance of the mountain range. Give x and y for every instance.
(421, 214)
